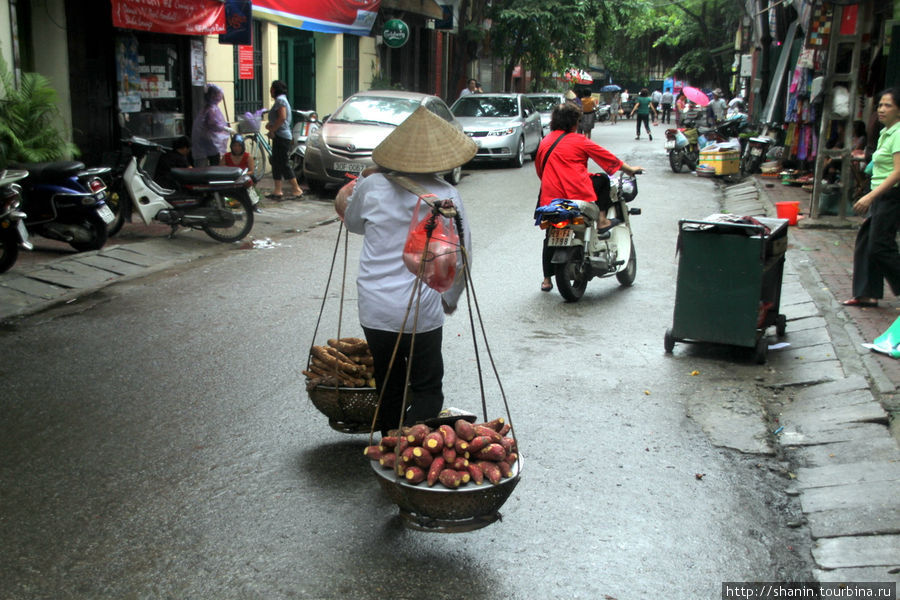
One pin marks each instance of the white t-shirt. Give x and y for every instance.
(381, 211)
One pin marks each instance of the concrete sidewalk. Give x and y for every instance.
(832, 415)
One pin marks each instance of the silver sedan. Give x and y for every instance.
(504, 126)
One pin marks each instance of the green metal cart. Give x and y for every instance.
(729, 283)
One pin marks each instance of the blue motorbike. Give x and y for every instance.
(67, 202)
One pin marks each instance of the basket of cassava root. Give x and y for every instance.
(449, 478)
(340, 383)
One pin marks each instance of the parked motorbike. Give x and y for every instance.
(13, 233)
(66, 201)
(305, 123)
(215, 200)
(602, 112)
(580, 252)
(682, 147)
(755, 153)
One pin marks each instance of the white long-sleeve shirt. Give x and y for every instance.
(381, 211)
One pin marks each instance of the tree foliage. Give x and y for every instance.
(28, 120)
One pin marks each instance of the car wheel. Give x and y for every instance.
(519, 158)
(454, 176)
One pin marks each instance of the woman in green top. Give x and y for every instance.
(643, 107)
(875, 257)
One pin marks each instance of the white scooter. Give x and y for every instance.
(305, 123)
(213, 199)
(580, 251)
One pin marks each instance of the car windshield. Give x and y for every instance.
(544, 103)
(474, 105)
(375, 110)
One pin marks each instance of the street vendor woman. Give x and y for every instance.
(381, 210)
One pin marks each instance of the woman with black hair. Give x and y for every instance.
(279, 128)
(643, 107)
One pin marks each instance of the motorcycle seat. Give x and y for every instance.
(52, 171)
(705, 130)
(202, 175)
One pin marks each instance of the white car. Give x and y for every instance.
(504, 126)
(544, 103)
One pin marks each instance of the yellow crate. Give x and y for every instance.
(725, 163)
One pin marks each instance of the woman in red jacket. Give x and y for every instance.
(561, 163)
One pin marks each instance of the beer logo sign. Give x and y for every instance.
(395, 33)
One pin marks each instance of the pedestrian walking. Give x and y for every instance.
(718, 107)
(666, 105)
(656, 98)
(643, 107)
(680, 105)
(614, 109)
(875, 256)
(279, 128)
(588, 115)
(380, 209)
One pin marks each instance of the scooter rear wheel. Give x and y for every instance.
(9, 249)
(626, 276)
(97, 233)
(236, 225)
(675, 161)
(571, 278)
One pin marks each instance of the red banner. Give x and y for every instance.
(184, 17)
(329, 16)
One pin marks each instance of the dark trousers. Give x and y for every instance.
(645, 119)
(666, 113)
(875, 257)
(281, 166)
(426, 396)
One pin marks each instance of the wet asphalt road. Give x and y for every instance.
(157, 441)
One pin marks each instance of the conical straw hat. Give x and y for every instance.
(424, 143)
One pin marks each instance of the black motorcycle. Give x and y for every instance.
(13, 233)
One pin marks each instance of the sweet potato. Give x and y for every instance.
(373, 452)
(402, 444)
(421, 457)
(476, 473)
(414, 474)
(349, 345)
(491, 471)
(481, 430)
(448, 434)
(505, 469)
(460, 464)
(389, 441)
(511, 458)
(417, 434)
(434, 441)
(508, 444)
(504, 429)
(450, 478)
(464, 430)
(434, 471)
(477, 444)
(461, 446)
(496, 424)
(407, 455)
(493, 452)
(387, 460)
(449, 454)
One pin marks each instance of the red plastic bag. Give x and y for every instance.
(440, 257)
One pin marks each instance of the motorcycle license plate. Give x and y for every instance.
(755, 151)
(670, 144)
(561, 237)
(349, 167)
(106, 214)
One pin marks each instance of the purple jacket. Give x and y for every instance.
(209, 135)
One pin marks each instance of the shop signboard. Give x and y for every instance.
(326, 16)
(395, 33)
(245, 62)
(184, 17)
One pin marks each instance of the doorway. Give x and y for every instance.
(297, 66)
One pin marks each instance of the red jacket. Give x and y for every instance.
(566, 172)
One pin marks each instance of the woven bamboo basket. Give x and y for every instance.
(349, 410)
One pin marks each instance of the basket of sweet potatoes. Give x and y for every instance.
(448, 478)
(340, 384)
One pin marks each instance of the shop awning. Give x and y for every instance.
(183, 17)
(326, 16)
(427, 8)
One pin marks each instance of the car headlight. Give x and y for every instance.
(313, 138)
(506, 131)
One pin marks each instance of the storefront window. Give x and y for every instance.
(151, 85)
